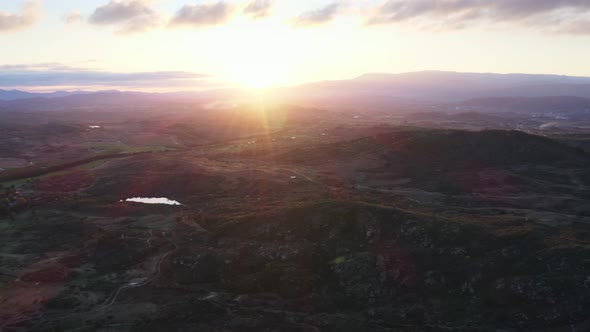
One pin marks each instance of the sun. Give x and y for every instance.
(259, 82)
(257, 75)
(256, 59)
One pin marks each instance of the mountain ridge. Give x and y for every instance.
(369, 91)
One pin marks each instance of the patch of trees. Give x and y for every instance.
(12, 202)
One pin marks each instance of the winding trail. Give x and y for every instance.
(111, 299)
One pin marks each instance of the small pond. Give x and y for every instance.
(152, 200)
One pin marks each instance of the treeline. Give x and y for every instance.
(34, 171)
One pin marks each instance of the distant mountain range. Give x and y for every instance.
(109, 99)
(17, 94)
(376, 91)
(437, 87)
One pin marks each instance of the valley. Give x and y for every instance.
(314, 222)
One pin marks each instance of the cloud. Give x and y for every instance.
(44, 66)
(28, 15)
(57, 75)
(118, 12)
(578, 27)
(319, 16)
(202, 15)
(460, 13)
(258, 8)
(73, 17)
(129, 16)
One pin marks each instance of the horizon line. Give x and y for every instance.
(234, 86)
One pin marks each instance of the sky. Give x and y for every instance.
(180, 45)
